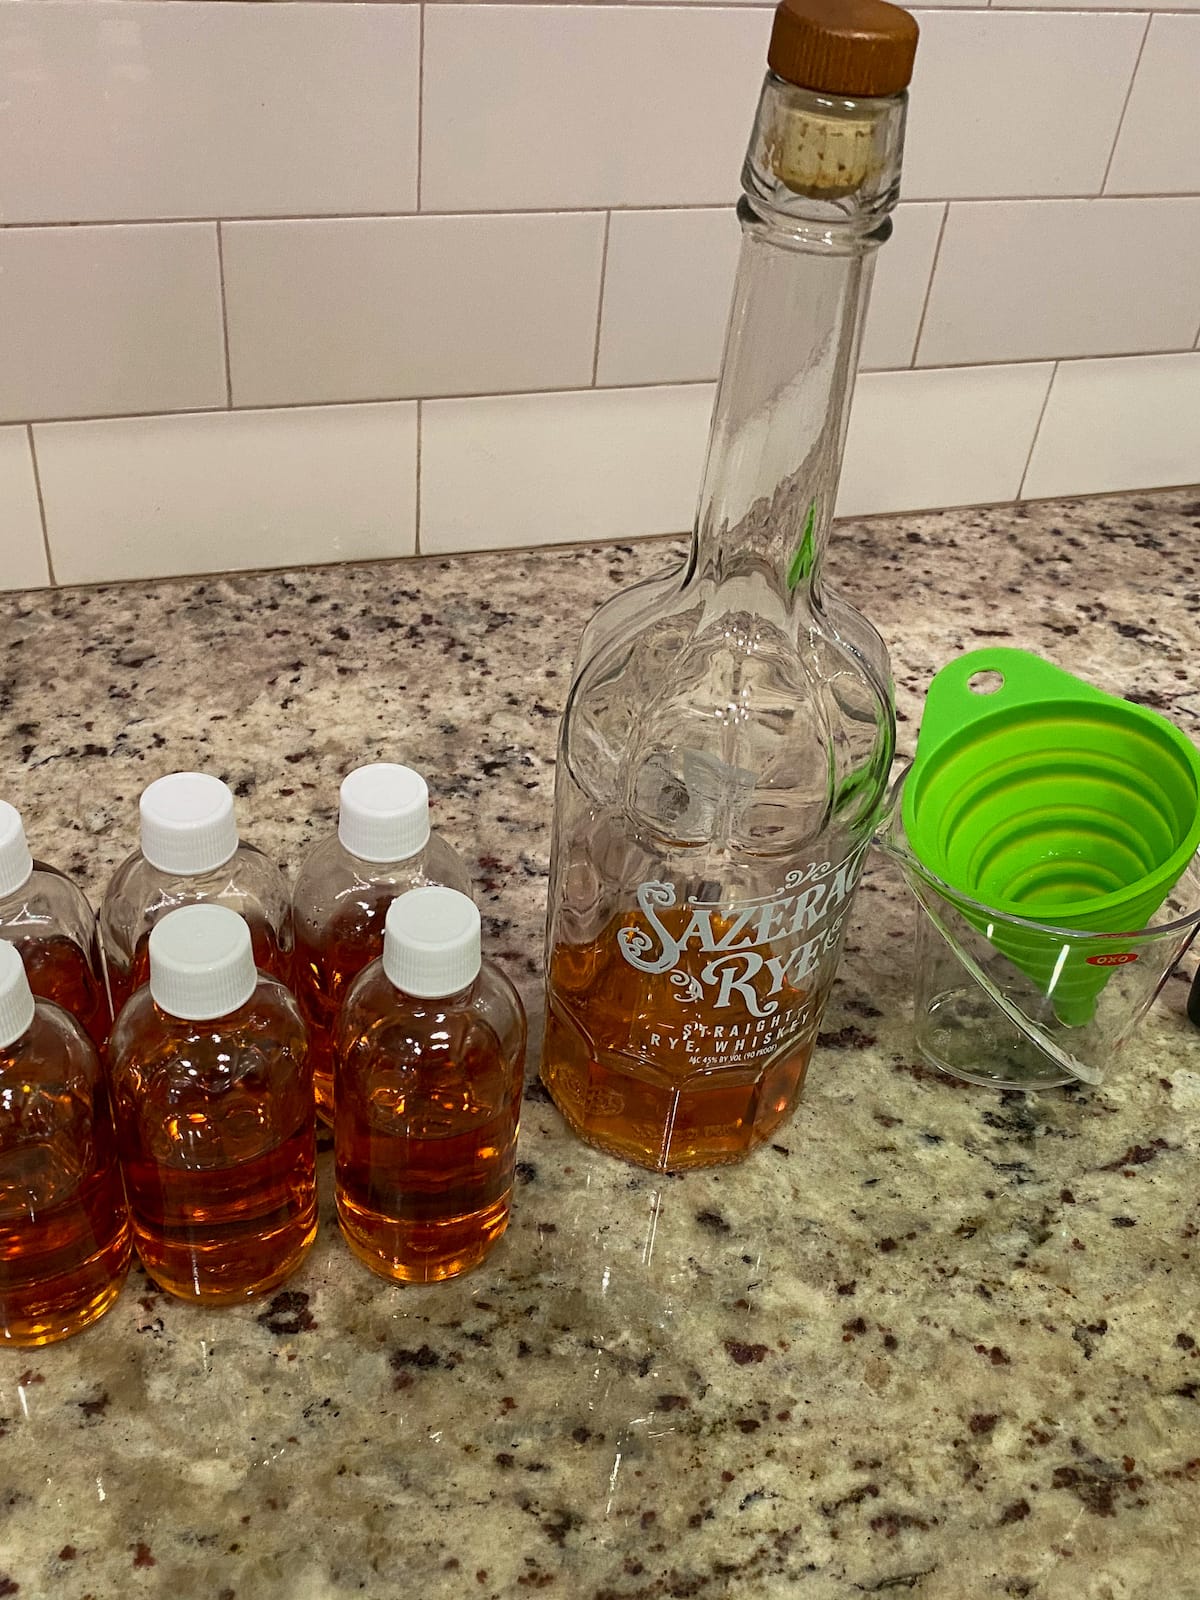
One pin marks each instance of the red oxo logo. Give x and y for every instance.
(1120, 959)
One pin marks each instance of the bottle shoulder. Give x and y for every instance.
(712, 721)
(269, 1023)
(332, 883)
(614, 616)
(53, 1050)
(49, 903)
(139, 893)
(498, 1001)
(376, 1015)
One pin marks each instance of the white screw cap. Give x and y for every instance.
(188, 825)
(16, 863)
(431, 942)
(384, 813)
(16, 997)
(201, 962)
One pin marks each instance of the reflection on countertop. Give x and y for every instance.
(934, 1341)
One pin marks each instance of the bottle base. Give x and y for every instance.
(207, 1288)
(630, 1111)
(422, 1252)
(48, 1324)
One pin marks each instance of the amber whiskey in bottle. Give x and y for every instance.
(431, 1049)
(64, 1227)
(190, 853)
(383, 847)
(52, 924)
(215, 1115)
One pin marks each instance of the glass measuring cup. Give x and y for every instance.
(980, 1016)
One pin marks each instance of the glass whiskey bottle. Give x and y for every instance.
(64, 1226)
(215, 1115)
(729, 731)
(52, 924)
(190, 852)
(431, 1050)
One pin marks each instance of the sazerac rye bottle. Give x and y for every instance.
(728, 734)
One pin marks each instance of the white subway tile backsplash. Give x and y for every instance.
(550, 469)
(23, 558)
(1159, 147)
(115, 109)
(240, 179)
(95, 321)
(225, 491)
(1008, 103)
(667, 286)
(955, 437)
(548, 106)
(1120, 424)
(669, 279)
(902, 271)
(375, 308)
(1027, 278)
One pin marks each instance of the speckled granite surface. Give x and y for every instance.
(933, 1342)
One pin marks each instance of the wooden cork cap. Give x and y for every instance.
(850, 47)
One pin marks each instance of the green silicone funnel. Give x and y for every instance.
(1034, 793)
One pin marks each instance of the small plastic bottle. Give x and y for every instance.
(64, 1225)
(54, 927)
(431, 1050)
(215, 1117)
(383, 847)
(190, 851)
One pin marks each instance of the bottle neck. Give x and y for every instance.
(820, 182)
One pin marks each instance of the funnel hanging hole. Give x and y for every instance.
(985, 682)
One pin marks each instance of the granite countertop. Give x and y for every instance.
(934, 1341)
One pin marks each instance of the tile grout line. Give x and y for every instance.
(1033, 361)
(420, 98)
(376, 400)
(602, 388)
(1036, 432)
(224, 319)
(417, 484)
(1112, 154)
(600, 297)
(37, 486)
(74, 225)
(568, 210)
(937, 251)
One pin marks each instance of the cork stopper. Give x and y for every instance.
(843, 47)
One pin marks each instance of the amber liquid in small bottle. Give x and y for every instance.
(325, 968)
(723, 1088)
(425, 1180)
(428, 1100)
(64, 1226)
(216, 1125)
(225, 1233)
(60, 971)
